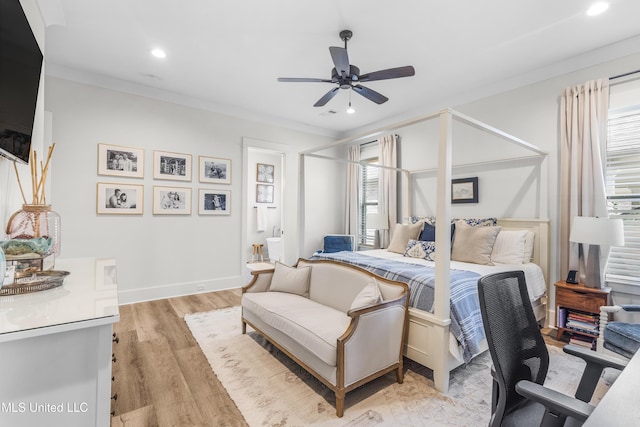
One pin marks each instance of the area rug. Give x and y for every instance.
(269, 389)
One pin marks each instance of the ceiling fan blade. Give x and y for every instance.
(391, 73)
(327, 97)
(340, 60)
(303, 80)
(370, 94)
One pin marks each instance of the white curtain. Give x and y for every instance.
(353, 201)
(583, 127)
(388, 182)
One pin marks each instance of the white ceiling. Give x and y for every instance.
(227, 55)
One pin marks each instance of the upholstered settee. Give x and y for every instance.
(344, 325)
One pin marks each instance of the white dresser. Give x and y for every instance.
(56, 349)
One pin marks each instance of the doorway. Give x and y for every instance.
(263, 201)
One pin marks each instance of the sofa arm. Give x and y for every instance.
(260, 282)
(374, 340)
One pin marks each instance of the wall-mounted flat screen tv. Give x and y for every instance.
(20, 66)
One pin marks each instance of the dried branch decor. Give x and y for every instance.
(37, 183)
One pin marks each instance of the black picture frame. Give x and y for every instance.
(464, 190)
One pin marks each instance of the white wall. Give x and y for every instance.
(157, 256)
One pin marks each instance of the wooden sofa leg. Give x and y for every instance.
(244, 327)
(400, 374)
(340, 403)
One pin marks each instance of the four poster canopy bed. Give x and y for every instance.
(442, 264)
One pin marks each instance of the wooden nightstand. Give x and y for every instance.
(578, 310)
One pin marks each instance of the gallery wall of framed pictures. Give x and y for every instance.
(122, 198)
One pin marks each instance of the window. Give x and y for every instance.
(368, 199)
(623, 193)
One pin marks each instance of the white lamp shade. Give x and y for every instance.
(597, 231)
(377, 222)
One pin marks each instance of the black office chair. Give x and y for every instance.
(521, 360)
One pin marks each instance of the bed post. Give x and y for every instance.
(443, 251)
(407, 200)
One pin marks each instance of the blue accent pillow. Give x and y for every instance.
(429, 232)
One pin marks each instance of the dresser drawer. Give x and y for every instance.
(579, 300)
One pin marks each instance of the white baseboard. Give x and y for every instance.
(179, 289)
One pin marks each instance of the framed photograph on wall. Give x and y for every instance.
(464, 190)
(171, 200)
(119, 199)
(214, 170)
(265, 173)
(115, 160)
(214, 202)
(172, 166)
(264, 193)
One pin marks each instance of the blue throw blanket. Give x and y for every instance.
(466, 320)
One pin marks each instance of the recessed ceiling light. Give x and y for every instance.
(597, 8)
(158, 53)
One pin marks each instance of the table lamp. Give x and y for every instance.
(377, 222)
(595, 232)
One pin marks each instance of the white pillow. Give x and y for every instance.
(402, 233)
(528, 246)
(290, 279)
(473, 244)
(509, 247)
(370, 294)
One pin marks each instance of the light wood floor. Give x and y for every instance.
(161, 376)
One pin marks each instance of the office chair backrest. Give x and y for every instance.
(517, 348)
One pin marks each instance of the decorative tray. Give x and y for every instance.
(39, 281)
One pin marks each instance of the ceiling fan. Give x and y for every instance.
(347, 76)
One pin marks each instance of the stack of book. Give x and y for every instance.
(582, 322)
(583, 341)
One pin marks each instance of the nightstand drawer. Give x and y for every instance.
(579, 300)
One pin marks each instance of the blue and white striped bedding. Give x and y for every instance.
(466, 320)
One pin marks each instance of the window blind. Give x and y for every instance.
(369, 200)
(623, 193)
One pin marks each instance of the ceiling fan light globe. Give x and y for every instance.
(350, 109)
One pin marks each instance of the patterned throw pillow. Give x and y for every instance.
(474, 222)
(421, 249)
(426, 219)
(478, 222)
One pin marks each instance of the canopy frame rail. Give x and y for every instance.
(456, 115)
(484, 163)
